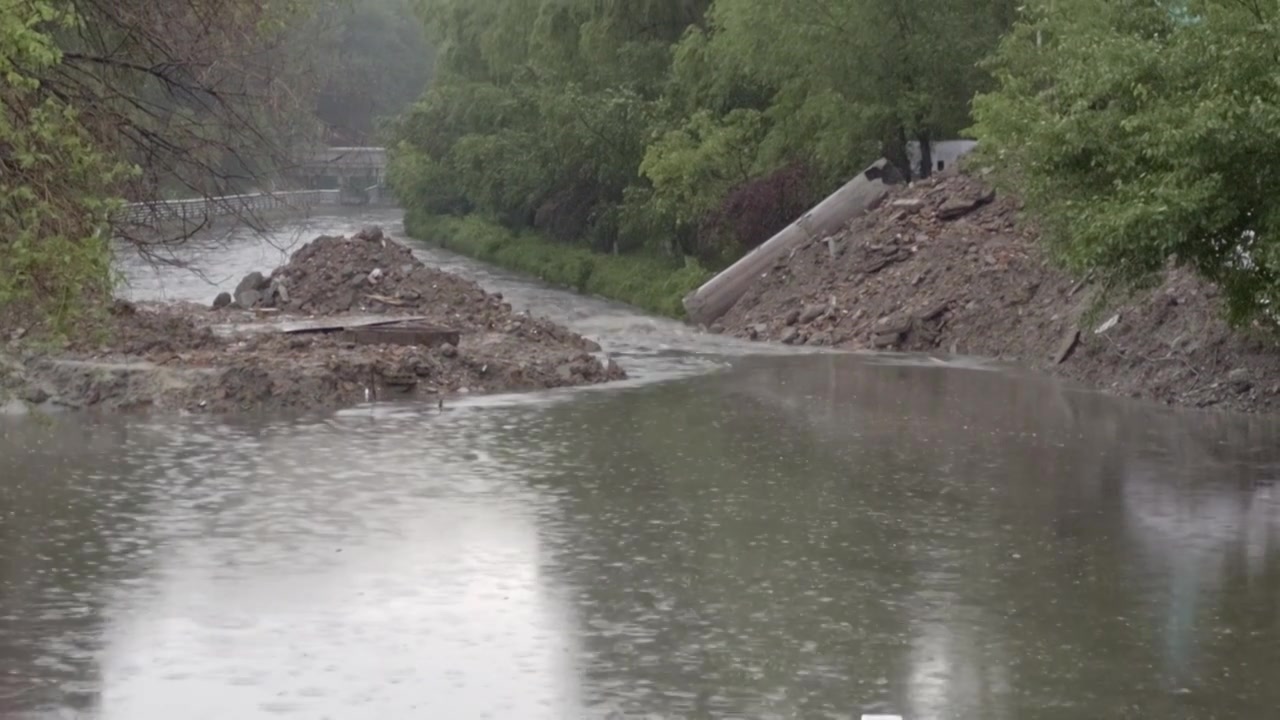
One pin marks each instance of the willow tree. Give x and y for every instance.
(859, 78)
(126, 99)
(1148, 132)
(540, 111)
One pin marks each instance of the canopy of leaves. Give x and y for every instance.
(372, 60)
(624, 124)
(1145, 133)
(102, 100)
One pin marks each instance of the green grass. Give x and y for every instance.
(650, 283)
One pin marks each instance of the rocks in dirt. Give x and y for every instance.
(1067, 346)
(166, 356)
(1107, 325)
(811, 313)
(278, 292)
(952, 257)
(889, 332)
(34, 394)
(370, 233)
(250, 290)
(957, 207)
(1239, 381)
(907, 204)
(223, 300)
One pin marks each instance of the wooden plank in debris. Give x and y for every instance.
(336, 324)
(406, 334)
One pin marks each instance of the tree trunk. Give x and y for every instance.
(895, 151)
(924, 137)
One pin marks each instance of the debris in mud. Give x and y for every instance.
(440, 334)
(947, 265)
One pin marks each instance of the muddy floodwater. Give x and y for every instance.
(731, 533)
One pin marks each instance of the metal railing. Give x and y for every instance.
(200, 209)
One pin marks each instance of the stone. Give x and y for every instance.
(935, 311)
(758, 330)
(890, 325)
(253, 281)
(223, 300)
(449, 351)
(371, 233)
(248, 298)
(14, 407)
(375, 275)
(877, 264)
(909, 205)
(812, 312)
(565, 372)
(1110, 323)
(956, 208)
(279, 292)
(885, 340)
(35, 395)
(790, 335)
(792, 317)
(345, 298)
(1239, 380)
(1066, 346)
(249, 292)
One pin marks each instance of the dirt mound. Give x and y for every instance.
(947, 265)
(182, 356)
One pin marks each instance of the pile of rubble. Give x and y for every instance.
(239, 357)
(947, 265)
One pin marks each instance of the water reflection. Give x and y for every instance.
(790, 537)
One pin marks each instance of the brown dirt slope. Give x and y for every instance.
(175, 356)
(947, 265)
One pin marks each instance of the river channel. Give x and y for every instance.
(734, 532)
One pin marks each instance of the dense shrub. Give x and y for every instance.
(753, 212)
(646, 282)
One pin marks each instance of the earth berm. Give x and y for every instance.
(233, 357)
(947, 265)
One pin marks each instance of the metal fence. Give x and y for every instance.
(145, 213)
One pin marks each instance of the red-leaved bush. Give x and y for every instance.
(753, 212)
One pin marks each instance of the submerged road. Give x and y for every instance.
(736, 532)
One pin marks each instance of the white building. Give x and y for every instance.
(945, 153)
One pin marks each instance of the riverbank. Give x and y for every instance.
(648, 283)
(947, 265)
(301, 338)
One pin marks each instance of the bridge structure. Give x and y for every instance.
(329, 176)
(360, 173)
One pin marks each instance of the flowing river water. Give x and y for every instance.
(735, 532)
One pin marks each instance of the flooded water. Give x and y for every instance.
(728, 535)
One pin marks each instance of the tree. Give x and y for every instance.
(859, 78)
(650, 125)
(1143, 134)
(374, 62)
(110, 99)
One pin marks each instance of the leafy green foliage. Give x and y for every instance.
(667, 127)
(373, 63)
(1144, 136)
(54, 182)
(650, 283)
(102, 100)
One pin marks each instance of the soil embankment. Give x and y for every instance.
(279, 342)
(946, 265)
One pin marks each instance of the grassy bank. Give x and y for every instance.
(649, 283)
